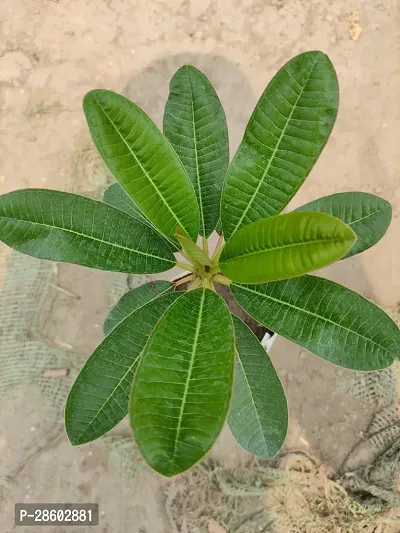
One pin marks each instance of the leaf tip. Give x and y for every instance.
(94, 96)
(89, 96)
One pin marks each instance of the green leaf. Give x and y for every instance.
(135, 299)
(99, 397)
(195, 125)
(329, 320)
(367, 215)
(116, 196)
(182, 388)
(191, 249)
(258, 416)
(74, 229)
(143, 162)
(283, 139)
(284, 246)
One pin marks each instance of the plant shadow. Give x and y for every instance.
(149, 89)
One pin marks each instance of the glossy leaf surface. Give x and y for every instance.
(283, 139)
(99, 397)
(182, 388)
(366, 214)
(142, 161)
(329, 320)
(116, 196)
(193, 251)
(195, 125)
(74, 229)
(135, 299)
(284, 246)
(258, 416)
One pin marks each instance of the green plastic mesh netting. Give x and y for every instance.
(372, 470)
(259, 498)
(23, 356)
(28, 359)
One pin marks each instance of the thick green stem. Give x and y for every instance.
(185, 266)
(185, 256)
(195, 284)
(204, 270)
(208, 284)
(205, 246)
(218, 247)
(185, 279)
(219, 278)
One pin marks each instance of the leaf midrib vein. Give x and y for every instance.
(284, 247)
(253, 402)
(374, 213)
(135, 213)
(192, 359)
(140, 165)
(90, 237)
(195, 154)
(119, 384)
(261, 181)
(312, 314)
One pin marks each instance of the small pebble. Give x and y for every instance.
(33, 428)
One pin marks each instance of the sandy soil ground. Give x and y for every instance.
(52, 52)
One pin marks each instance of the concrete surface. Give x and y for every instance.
(51, 53)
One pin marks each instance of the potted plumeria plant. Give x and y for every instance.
(179, 362)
